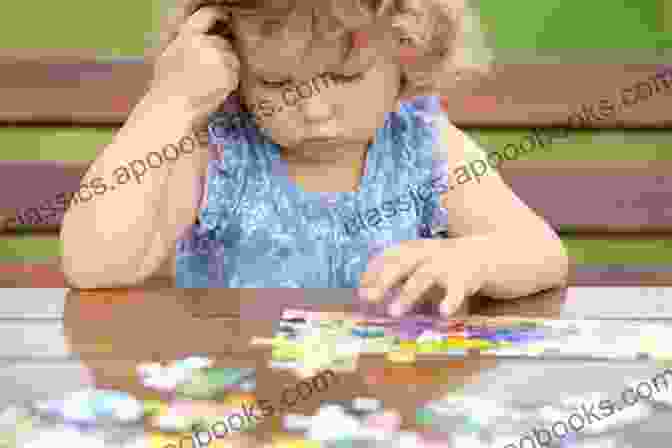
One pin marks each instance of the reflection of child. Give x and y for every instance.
(273, 194)
(93, 334)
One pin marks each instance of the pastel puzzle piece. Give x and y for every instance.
(499, 336)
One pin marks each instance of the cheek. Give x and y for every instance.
(262, 102)
(278, 126)
(381, 89)
(372, 112)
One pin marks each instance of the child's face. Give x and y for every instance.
(301, 91)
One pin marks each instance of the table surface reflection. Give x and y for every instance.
(48, 336)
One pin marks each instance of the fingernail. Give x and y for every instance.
(376, 264)
(396, 309)
(447, 309)
(393, 294)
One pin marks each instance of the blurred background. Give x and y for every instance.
(71, 71)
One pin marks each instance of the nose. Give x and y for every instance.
(317, 108)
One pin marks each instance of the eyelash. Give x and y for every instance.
(343, 78)
(274, 85)
(352, 78)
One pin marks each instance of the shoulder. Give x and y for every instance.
(419, 117)
(420, 127)
(432, 130)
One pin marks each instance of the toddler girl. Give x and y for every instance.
(327, 162)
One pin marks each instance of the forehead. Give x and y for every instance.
(292, 52)
(286, 46)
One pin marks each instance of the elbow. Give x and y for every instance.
(75, 277)
(82, 271)
(79, 276)
(89, 279)
(84, 267)
(78, 279)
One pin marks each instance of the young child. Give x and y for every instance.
(331, 164)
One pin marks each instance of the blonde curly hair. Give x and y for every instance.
(446, 34)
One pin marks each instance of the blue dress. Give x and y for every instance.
(259, 229)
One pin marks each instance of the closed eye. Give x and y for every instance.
(275, 84)
(334, 76)
(344, 78)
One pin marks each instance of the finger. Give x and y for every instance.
(451, 303)
(382, 264)
(368, 278)
(417, 284)
(227, 52)
(391, 268)
(205, 19)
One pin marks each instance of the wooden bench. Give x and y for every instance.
(601, 199)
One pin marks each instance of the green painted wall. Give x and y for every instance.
(577, 24)
(82, 144)
(110, 28)
(26, 249)
(57, 143)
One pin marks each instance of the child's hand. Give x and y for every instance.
(420, 264)
(199, 65)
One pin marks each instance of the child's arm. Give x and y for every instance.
(121, 236)
(498, 246)
(522, 253)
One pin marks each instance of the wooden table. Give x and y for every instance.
(110, 331)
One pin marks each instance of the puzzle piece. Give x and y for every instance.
(401, 356)
(495, 336)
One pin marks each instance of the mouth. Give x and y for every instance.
(322, 140)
